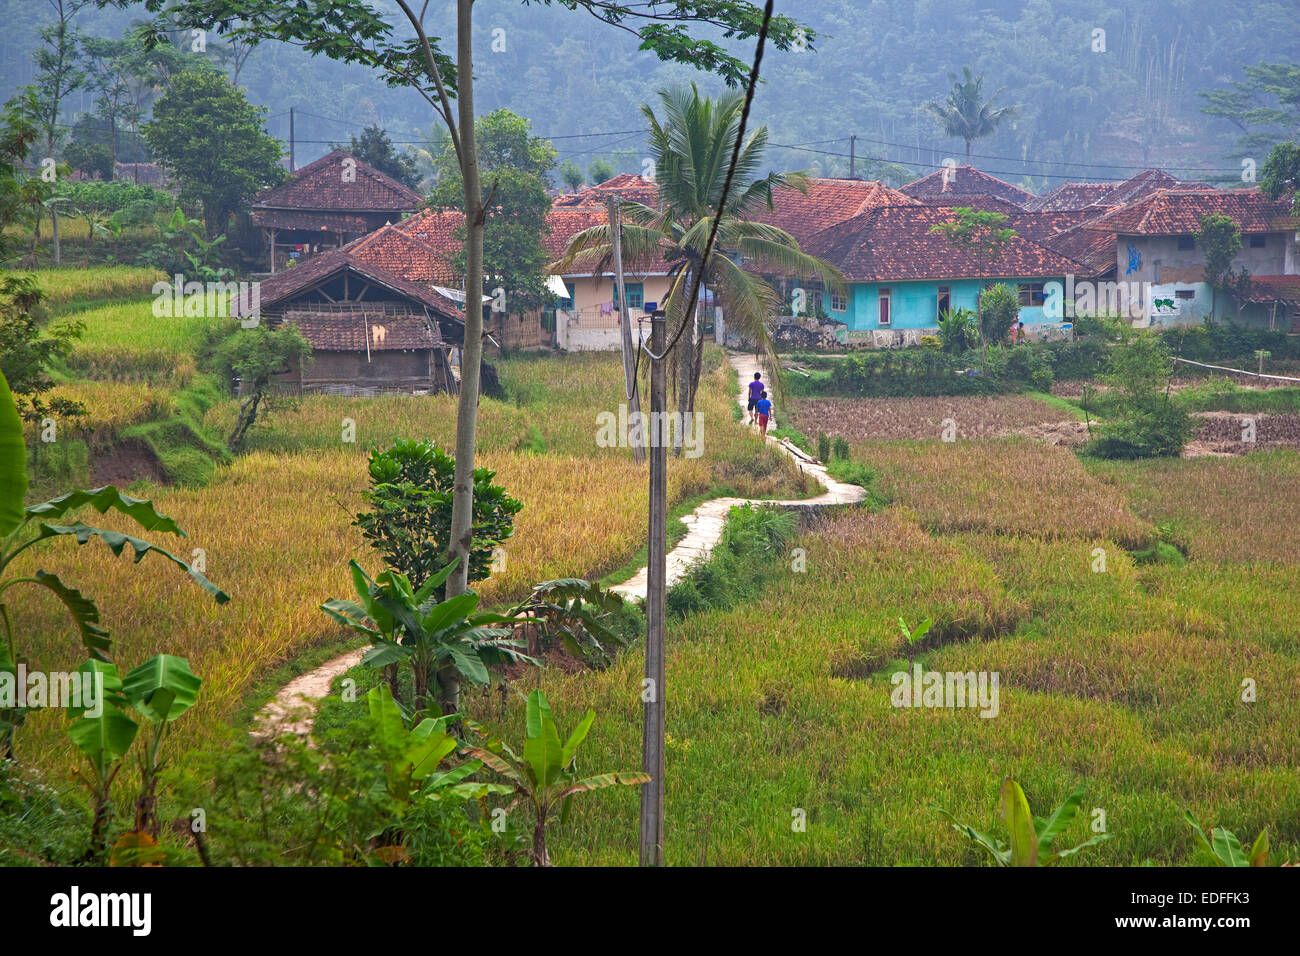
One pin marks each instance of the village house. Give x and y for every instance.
(370, 330)
(325, 205)
(1155, 245)
(902, 276)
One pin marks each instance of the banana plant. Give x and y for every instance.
(914, 637)
(411, 759)
(22, 527)
(546, 776)
(446, 640)
(570, 612)
(1031, 837)
(161, 689)
(103, 739)
(1226, 849)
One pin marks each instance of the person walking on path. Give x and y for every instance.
(764, 408)
(755, 392)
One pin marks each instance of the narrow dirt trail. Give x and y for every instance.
(293, 708)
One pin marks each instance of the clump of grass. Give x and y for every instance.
(750, 550)
(63, 286)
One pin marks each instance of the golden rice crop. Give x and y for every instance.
(1226, 509)
(112, 406)
(1011, 486)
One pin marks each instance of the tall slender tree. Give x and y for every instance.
(965, 114)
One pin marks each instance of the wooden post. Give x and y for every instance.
(652, 742)
(625, 320)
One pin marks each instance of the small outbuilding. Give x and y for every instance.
(327, 204)
(370, 331)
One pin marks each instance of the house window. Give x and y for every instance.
(839, 303)
(882, 299)
(1257, 242)
(944, 303)
(1031, 293)
(635, 294)
(1186, 242)
(1185, 294)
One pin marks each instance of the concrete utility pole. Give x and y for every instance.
(629, 355)
(652, 728)
(292, 165)
(853, 157)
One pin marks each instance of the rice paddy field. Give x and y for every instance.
(1120, 674)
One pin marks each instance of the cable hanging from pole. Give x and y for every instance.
(726, 186)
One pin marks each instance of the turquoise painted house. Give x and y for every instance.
(901, 276)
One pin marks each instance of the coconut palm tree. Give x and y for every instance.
(966, 114)
(692, 145)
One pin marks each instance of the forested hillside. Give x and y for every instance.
(1092, 105)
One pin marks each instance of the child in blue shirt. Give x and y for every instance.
(764, 408)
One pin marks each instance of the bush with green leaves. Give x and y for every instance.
(998, 308)
(1145, 421)
(379, 789)
(1225, 849)
(959, 331)
(409, 520)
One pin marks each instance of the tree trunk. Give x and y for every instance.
(540, 856)
(462, 502)
(449, 690)
(54, 228)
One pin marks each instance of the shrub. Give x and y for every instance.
(840, 448)
(1146, 422)
(823, 446)
(409, 521)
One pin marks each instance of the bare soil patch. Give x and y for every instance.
(865, 419)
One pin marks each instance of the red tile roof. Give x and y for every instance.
(348, 331)
(826, 202)
(967, 181)
(980, 202)
(279, 291)
(321, 186)
(1070, 196)
(894, 243)
(625, 185)
(1145, 183)
(1272, 289)
(422, 248)
(1178, 212)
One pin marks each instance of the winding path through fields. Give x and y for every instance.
(293, 708)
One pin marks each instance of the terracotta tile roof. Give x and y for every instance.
(966, 181)
(421, 248)
(277, 292)
(1273, 289)
(980, 202)
(1145, 183)
(626, 185)
(827, 202)
(1070, 196)
(321, 186)
(347, 331)
(1063, 232)
(894, 243)
(1177, 212)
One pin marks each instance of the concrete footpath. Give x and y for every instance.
(293, 708)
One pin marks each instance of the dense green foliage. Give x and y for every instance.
(409, 518)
